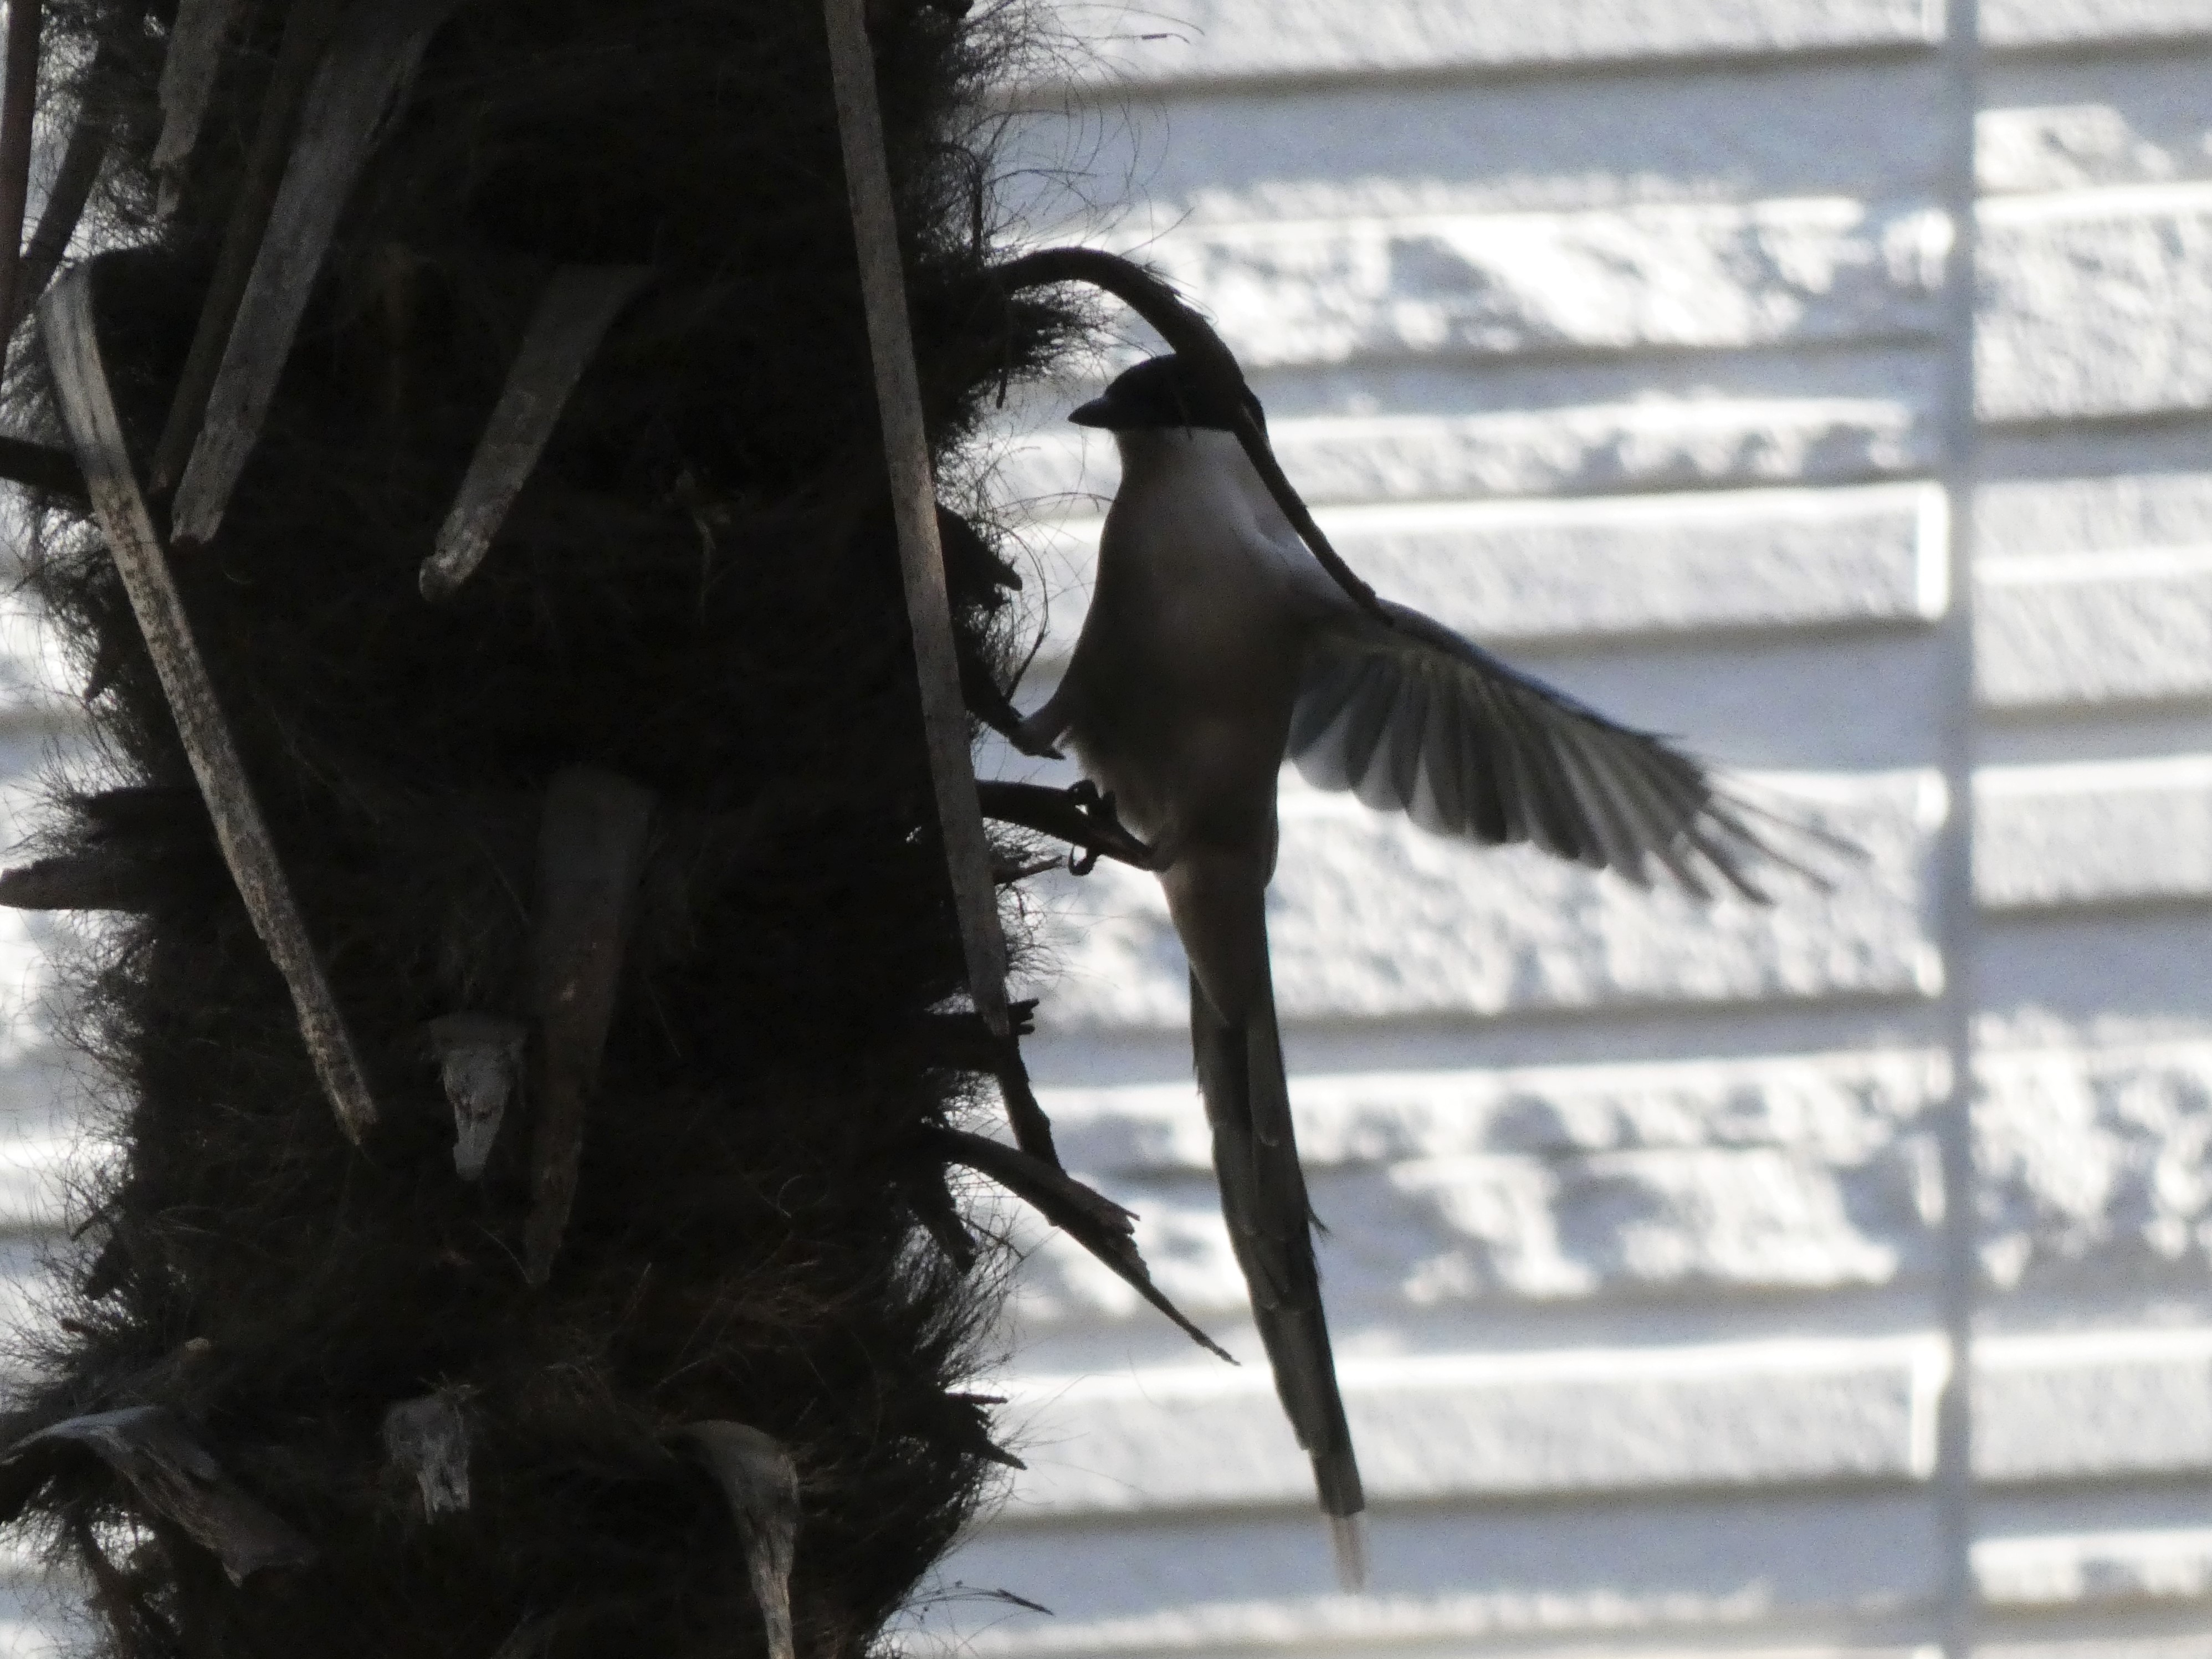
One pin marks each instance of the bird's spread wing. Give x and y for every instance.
(1415, 719)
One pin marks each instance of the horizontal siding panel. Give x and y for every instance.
(2080, 1407)
(2063, 125)
(1214, 40)
(1544, 1185)
(1567, 571)
(1371, 917)
(2093, 832)
(1501, 1575)
(2093, 629)
(1551, 1186)
(1430, 1236)
(2093, 1169)
(1778, 1413)
(1757, 1620)
(1207, 40)
(1706, 277)
(2096, 304)
(2115, 1639)
(1365, 150)
(2085, 22)
(1654, 443)
(1475, 1427)
(1606, 1572)
(2121, 513)
(1840, 1106)
(2058, 1571)
(1662, 1627)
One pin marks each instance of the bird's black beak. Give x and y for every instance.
(1099, 411)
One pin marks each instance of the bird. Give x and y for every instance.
(1216, 646)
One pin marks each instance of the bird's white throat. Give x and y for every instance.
(1204, 473)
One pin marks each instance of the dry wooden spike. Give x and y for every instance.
(581, 303)
(428, 1439)
(1090, 1218)
(188, 76)
(177, 1478)
(19, 100)
(591, 853)
(963, 1041)
(929, 1199)
(914, 502)
(760, 1483)
(371, 56)
(64, 207)
(37, 467)
(958, 1038)
(88, 410)
(89, 881)
(974, 1427)
(307, 28)
(479, 1061)
(1025, 1116)
(85, 154)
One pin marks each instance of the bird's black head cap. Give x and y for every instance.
(1165, 391)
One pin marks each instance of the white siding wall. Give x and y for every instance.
(1612, 332)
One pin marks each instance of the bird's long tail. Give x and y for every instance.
(1263, 1197)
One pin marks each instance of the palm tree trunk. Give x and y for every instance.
(616, 861)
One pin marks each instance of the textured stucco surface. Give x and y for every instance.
(1609, 332)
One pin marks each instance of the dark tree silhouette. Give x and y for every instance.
(620, 936)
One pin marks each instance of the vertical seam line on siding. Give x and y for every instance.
(1958, 920)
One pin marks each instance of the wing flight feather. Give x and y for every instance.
(1415, 719)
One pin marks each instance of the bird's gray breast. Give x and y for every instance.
(1187, 664)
